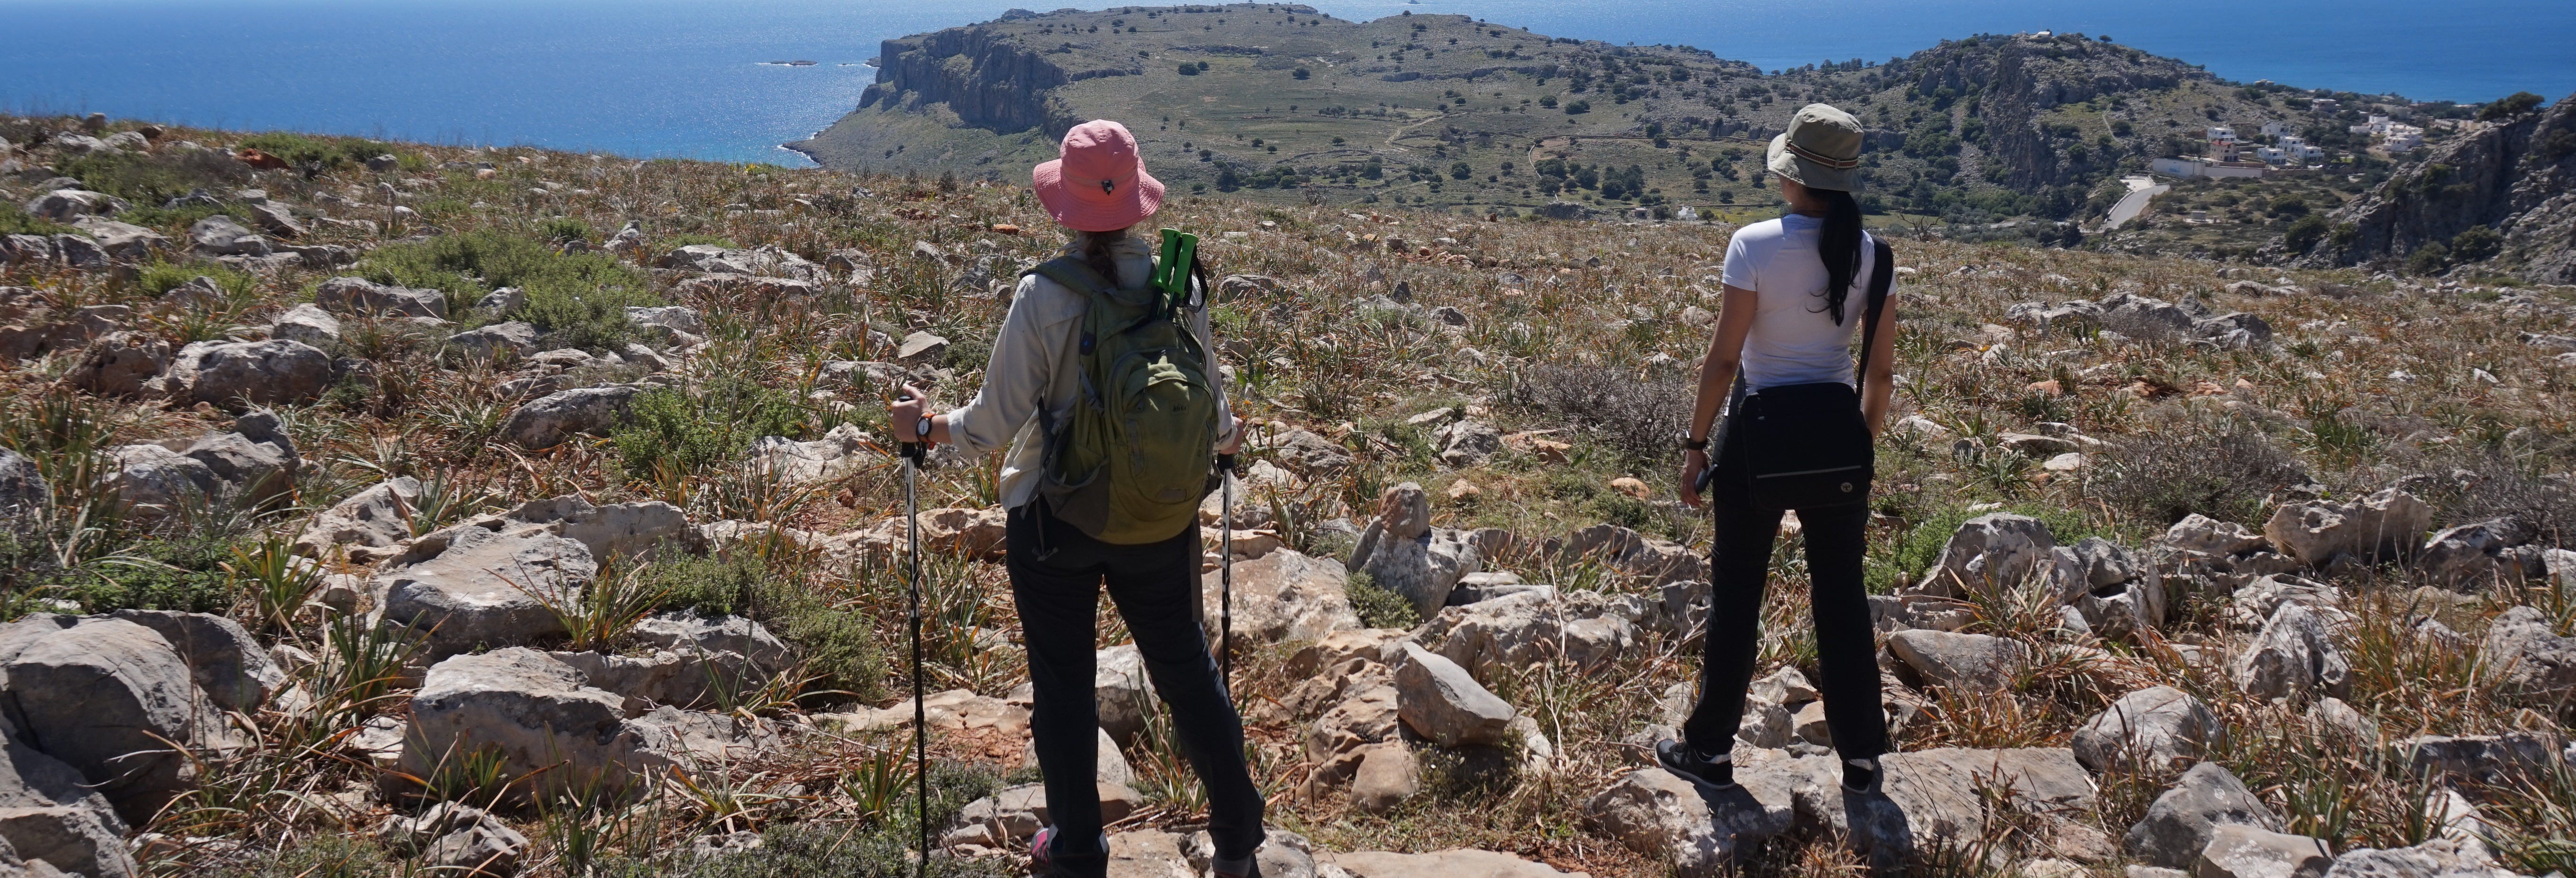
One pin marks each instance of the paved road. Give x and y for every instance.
(2133, 203)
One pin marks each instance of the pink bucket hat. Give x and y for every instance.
(1099, 184)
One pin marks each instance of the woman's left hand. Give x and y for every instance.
(1694, 462)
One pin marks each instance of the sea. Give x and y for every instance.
(697, 78)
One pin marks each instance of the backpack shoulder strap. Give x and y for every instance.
(1073, 274)
(1882, 277)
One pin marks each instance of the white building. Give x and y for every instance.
(2271, 155)
(2200, 167)
(2404, 140)
(2325, 105)
(2276, 128)
(2221, 132)
(2298, 149)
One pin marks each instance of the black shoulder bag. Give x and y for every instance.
(1807, 446)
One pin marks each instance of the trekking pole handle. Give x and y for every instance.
(912, 451)
(1225, 463)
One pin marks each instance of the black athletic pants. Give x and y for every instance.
(1846, 642)
(1056, 575)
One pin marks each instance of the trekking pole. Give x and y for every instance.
(913, 454)
(1225, 574)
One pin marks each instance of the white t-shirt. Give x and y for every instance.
(1794, 338)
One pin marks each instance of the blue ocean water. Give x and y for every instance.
(686, 78)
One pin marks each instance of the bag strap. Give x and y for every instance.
(1881, 277)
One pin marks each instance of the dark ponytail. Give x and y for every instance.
(1839, 243)
(1095, 252)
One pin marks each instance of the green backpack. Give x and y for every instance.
(1139, 454)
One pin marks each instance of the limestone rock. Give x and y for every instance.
(1440, 701)
(513, 338)
(2180, 823)
(120, 364)
(22, 486)
(223, 659)
(124, 242)
(2380, 527)
(275, 219)
(152, 480)
(66, 205)
(2294, 657)
(1468, 443)
(456, 838)
(1279, 597)
(1014, 814)
(306, 323)
(2528, 655)
(225, 236)
(1661, 816)
(108, 697)
(616, 530)
(1581, 628)
(1963, 662)
(1929, 796)
(1123, 691)
(255, 459)
(551, 419)
(367, 525)
(685, 632)
(2495, 761)
(1660, 562)
(476, 584)
(2200, 533)
(54, 840)
(2153, 727)
(841, 452)
(2238, 851)
(358, 295)
(541, 718)
(2471, 553)
(1993, 551)
(1387, 776)
(237, 375)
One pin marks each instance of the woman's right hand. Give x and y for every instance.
(1694, 462)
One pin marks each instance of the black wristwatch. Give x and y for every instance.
(1690, 444)
(921, 429)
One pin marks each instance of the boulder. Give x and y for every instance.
(275, 219)
(223, 659)
(2294, 657)
(1440, 701)
(1364, 713)
(1934, 797)
(1659, 562)
(237, 375)
(841, 452)
(255, 460)
(1303, 451)
(686, 632)
(2491, 761)
(1997, 550)
(1279, 597)
(539, 717)
(2470, 553)
(1582, 628)
(2381, 527)
(367, 525)
(549, 420)
(513, 338)
(124, 242)
(502, 302)
(1283, 855)
(151, 480)
(2439, 858)
(1965, 663)
(81, 253)
(120, 364)
(1403, 554)
(1387, 776)
(2200, 533)
(1122, 691)
(2252, 606)
(109, 697)
(1663, 817)
(696, 679)
(673, 317)
(2090, 565)
(306, 323)
(358, 295)
(56, 840)
(456, 839)
(66, 205)
(922, 346)
(2180, 823)
(2238, 851)
(22, 486)
(225, 236)
(617, 530)
(477, 584)
(2523, 648)
(2150, 729)
(1465, 444)
(49, 813)
(18, 249)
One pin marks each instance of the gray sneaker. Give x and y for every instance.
(1715, 774)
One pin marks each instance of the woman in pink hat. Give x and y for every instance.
(1098, 188)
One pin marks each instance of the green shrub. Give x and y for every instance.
(564, 228)
(333, 152)
(1917, 548)
(159, 277)
(837, 645)
(578, 299)
(1378, 607)
(2160, 477)
(16, 221)
(150, 179)
(179, 574)
(713, 426)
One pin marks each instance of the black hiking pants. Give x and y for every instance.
(1846, 642)
(1056, 576)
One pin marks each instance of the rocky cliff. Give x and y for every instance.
(988, 79)
(2515, 175)
(2014, 79)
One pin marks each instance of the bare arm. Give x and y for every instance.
(1716, 380)
(1879, 386)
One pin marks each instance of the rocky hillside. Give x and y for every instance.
(373, 509)
(2512, 180)
(1277, 102)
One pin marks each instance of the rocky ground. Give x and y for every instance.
(374, 508)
